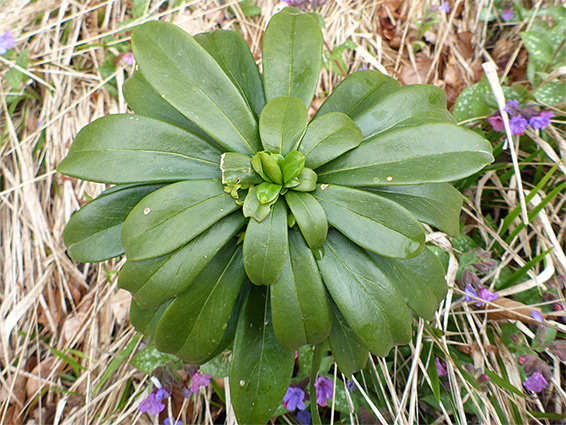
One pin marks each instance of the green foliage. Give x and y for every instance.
(329, 211)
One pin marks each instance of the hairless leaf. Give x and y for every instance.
(307, 181)
(189, 78)
(145, 320)
(292, 166)
(254, 208)
(282, 124)
(109, 151)
(292, 55)
(269, 167)
(237, 168)
(310, 217)
(267, 193)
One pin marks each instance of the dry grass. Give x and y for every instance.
(47, 300)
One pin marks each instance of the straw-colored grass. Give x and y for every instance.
(48, 302)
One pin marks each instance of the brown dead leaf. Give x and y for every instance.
(464, 44)
(120, 305)
(507, 309)
(416, 74)
(42, 370)
(72, 324)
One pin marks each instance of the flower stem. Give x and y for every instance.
(314, 371)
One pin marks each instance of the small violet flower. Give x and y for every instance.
(363, 68)
(470, 292)
(440, 368)
(168, 421)
(535, 314)
(199, 380)
(304, 417)
(128, 58)
(323, 387)
(152, 405)
(507, 15)
(541, 121)
(294, 398)
(161, 394)
(496, 122)
(445, 7)
(7, 41)
(535, 383)
(512, 107)
(518, 125)
(486, 295)
(350, 386)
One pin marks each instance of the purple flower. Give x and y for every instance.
(7, 41)
(350, 386)
(161, 394)
(512, 107)
(186, 392)
(294, 398)
(496, 122)
(507, 15)
(363, 68)
(323, 387)
(445, 7)
(199, 380)
(304, 417)
(535, 314)
(535, 383)
(486, 295)
(440, 368)
(470, 292)
(518, 125)
(128, 58)
(541, 121)
(168, 421)
(151, 405)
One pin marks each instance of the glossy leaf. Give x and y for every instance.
(436, 204)
(195, 322)
(145, 320)
(427, 153)
(269, 168)
(93, 233)
(233, 54)
(371, 305)
(254, 208)
(371, 221)
(299, 305)
(237, 169)
(310, 217)
(267, 193)
(144, 100)
(348, 350)
(121, 149)
(189, 78)
(292, 166)
(292, 55)
(307, 181)
(157, 280)
(261, 368)
(421, 280)
(282, 124)
(265, 246)
(328, 137)
(170, 217)
(357, 92)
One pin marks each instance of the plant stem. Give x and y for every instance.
(314, 371)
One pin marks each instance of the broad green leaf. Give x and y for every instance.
(310, 217)
(233, 54)
(145, 320)
(371, 305)
(299, 305)
(170, 217)
(144, 100)
(551, 93)
(218, 367)
(267, 193)
(421, 280)
(292, 166)
(261, 367)
(267, 166)
(254, 208)
(357, 92)
(121, 149)
(328, 137)
(307, 180)
(292, 55)
(408, 106)
(349, 352)
(371, 221)
(265, 246)
(427, 153)
(538, 46)
(436, 204)
(237, 169)
(282, 124)
(189, 78)
(149, 359)
(157, 280)
(93, 233)
(195, 322)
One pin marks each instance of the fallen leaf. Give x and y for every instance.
(506, 309)
(42, 370)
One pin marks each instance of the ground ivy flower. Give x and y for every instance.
(294, 398)
(535, 314)
(152, 405)
(541, 121)
(304, 417)
(486, 295)
(7, 41)
(445, 7)
(518, 125)
(507, 15)
(323, 387)
(535, 383)
(440, 368)
(470, 293)
(199, 380)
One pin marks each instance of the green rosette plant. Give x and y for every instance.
(247, 226)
